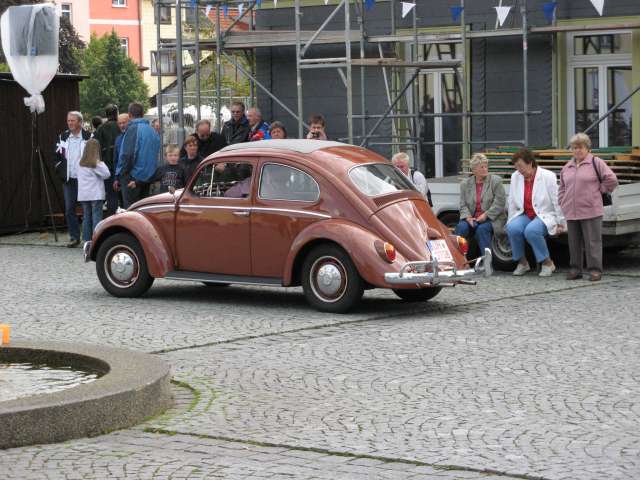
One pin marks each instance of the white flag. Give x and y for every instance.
(326, 2)
(406, 8)
(503, 13)
(240, 9)
(207, 11)
(598, 5)
(275, 3)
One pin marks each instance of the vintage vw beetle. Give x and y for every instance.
(334, 218)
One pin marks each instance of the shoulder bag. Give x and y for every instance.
(606, 196)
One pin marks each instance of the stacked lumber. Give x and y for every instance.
(624, 161)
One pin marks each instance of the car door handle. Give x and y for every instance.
(242, 213)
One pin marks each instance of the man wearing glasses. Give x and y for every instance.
(237, 129)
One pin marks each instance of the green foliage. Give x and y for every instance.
(113, 77)
(4, 67)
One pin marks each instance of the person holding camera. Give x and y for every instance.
(316, 127)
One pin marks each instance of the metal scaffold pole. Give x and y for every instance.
(298, 69)
(159, 68)
(466, 146)
(347, 37)
(363, 105)
(197, 60)
(525, 73)
(179, 75)
(218, 71)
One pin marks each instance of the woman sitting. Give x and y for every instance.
(582, 181)
(534, 212)
(482, 204)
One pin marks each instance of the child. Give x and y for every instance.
(172, 175)
(91, 176)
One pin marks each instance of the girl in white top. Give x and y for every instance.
(91, 176)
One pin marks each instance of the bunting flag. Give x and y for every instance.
(455, 13)
(207, 10)
(503, 13)
(406, 8)
(275, 3)
(598, 5)
(240, 9)
(225, 10)
(368, 4)
(193, 3)
(549, 10)
(258, 3)
(326, 2)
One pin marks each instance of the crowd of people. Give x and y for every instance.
(120, 161)
(124, 158)
(538, 208)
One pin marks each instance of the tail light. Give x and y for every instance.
(463, 245)
(386, 250)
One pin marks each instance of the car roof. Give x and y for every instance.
(294, 145)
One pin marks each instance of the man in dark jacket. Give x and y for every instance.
(66, 163)
(237, 129)
(138, 156)
(106, 135)
(208, 142)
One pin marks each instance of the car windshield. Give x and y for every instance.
(379, 179)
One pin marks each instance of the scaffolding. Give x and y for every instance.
(228, 41)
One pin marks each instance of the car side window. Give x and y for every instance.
(281, 182)
(224, 180)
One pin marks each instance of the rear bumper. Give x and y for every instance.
(435, 276)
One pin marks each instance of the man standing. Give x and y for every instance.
(138, 156)
(259, 128)
(106, 135)
(123, 121)
(237, 129)
(317, 125)
(401, 162)
(67, 159)
(208, 142)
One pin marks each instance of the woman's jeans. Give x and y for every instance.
(533, 231)
(91, 215)
(482, 232)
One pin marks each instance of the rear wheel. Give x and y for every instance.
(122, 266)
(330, 280)
(417, 295)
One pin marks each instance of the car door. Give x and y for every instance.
(213, 219)
(286, 202)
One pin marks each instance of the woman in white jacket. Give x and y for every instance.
(91, 176)
(534, 212)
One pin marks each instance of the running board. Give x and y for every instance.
(222, 278)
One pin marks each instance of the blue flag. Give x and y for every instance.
(455, 13)
(225, 10)
(193, 3)
(368, 4)
(549, 10)
(258, 2)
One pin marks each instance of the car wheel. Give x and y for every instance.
(417, 294)
(215, 284)
(330, 280)
(501, 249)
(122, 266)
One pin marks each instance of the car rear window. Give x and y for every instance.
(379, 179)
(280, 182)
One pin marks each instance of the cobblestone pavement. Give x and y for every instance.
(514, 378)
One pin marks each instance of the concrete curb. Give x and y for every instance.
(134, 386)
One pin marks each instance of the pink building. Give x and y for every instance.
(123, 16)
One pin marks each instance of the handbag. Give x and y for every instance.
(606, 196)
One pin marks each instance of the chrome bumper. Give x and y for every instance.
(85, 251)
(481, 268)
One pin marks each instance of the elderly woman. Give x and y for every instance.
(482, 204)
(582, 181)
(534, 212)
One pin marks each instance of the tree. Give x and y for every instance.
(69, 46)
(113, 77)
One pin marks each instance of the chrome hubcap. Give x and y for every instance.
(328, 279)
(121, 266)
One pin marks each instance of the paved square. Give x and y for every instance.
(513, 378)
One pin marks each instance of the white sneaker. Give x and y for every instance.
(547, 270)
(521, 269)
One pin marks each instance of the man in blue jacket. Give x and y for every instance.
(138, 156)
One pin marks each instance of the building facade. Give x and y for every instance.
(577, 70)
(122, 16)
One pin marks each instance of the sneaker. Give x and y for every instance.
(547, 270)
(521, 269)
(73, 243)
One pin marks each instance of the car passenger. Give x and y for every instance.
(242, 188)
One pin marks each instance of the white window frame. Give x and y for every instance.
(124, 43)
(69, 11)
(119, 3)
(601, 62)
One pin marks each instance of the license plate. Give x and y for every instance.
(440, 251)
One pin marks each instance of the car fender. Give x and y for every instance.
(157, 253)
(356, 240)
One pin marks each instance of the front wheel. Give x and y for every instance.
(330, 280)
(417, 295)
(122, 266)
(501, 249)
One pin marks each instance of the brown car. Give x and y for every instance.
(334, 218)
